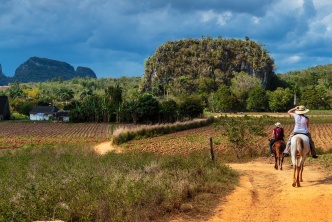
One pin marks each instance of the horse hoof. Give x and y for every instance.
(293, 184)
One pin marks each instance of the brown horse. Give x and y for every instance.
(278, 148)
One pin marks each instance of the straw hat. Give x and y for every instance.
(301, 110)
(278, 125)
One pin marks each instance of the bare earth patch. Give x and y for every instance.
(266, 194)
(107, 147)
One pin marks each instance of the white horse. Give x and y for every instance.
(300, 147)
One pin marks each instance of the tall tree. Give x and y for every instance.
(280, 99)
(224, 100)
(257, 100)
(242, 83)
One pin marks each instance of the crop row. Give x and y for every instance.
(15, 134)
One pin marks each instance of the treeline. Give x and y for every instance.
(101, 100)
(120, 100)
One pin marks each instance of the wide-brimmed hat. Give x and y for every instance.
(278, 125)
(301, 110)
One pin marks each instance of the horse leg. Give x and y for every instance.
(301, 179)
(275, 162)
(298, 176)
(277, 155)
(282, 161)
(294, 177)
(280, 157)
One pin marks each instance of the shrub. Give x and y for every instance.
(242, 132)
(191, 108)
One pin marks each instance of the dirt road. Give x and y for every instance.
(266, 194)
(106, 147)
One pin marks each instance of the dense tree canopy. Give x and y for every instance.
(192, 65)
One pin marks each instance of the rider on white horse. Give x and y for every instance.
(301, 127)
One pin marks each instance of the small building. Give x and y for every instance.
(4, 108)
(43, 113)
(63, 115)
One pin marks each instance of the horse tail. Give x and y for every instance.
(299, 144)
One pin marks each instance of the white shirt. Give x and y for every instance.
(300, 124)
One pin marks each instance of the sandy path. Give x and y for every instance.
(266, 194)
(107, 147)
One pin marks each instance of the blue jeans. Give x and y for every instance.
(271, 144)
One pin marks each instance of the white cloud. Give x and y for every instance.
(294, 59)
(219, 18)
(256, 20)
(208, 16)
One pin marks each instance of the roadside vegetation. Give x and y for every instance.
(73, 183)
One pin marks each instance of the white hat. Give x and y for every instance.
(301, 110)
(278, 125)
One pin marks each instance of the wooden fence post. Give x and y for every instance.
(211, 149)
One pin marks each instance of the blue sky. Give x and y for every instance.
(114, 38)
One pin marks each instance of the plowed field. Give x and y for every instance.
(15, 134)
(198, 139)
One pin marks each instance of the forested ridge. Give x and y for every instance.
(192, 65)
(42, 69)
(182, 80)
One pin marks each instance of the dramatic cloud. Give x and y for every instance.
(115, 37)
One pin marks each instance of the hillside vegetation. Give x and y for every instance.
(202, 65)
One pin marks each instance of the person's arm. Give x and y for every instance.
(290, 112)
(273, 134)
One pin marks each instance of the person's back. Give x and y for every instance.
(301, 126)
(277, 134)
(301, 123)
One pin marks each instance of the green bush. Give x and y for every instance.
(191, 108)
(242, 132)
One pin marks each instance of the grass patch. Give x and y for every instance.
(72, 183)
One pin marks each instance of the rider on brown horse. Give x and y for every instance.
(278, 134)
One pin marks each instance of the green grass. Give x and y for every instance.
(73, 183)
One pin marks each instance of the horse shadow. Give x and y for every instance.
(326, 180)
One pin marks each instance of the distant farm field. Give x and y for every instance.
(199, 139)
(15, 134)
